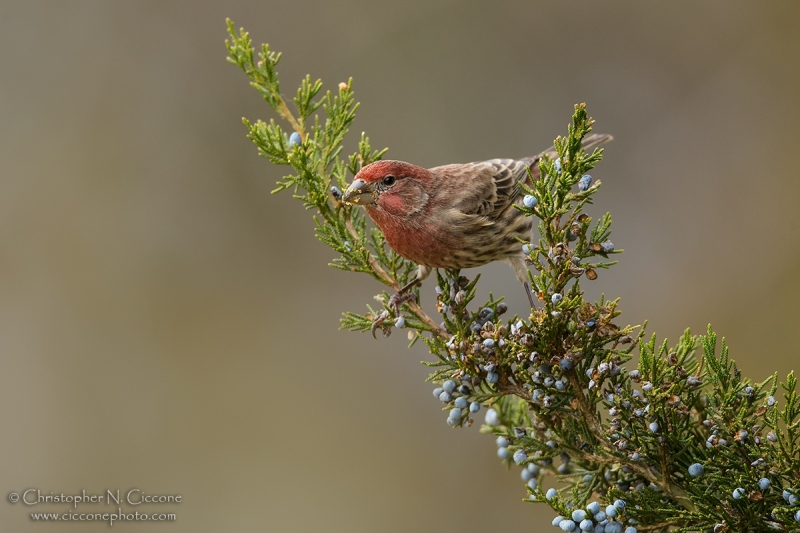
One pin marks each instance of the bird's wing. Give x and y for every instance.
(487, 187)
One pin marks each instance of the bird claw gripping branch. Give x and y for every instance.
(402, 296)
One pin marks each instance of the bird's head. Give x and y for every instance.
(393, 186)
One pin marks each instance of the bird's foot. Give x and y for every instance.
(399, 298)
(530, 294)
(378, 323)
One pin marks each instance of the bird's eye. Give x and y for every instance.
(389, 181)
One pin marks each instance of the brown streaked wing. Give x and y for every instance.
(490, 186)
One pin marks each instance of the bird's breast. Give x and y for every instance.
(419, 241)
(446, 240)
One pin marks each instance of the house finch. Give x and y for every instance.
(452, 216)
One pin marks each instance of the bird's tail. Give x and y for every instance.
(589, 142)
(595, 139)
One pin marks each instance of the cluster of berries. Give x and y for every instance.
(531, 465)
(457, 397)
(594, 519)
(789, 495)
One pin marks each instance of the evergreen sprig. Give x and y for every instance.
(681, 442)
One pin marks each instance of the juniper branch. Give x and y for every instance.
(682, 442)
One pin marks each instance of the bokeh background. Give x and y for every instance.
(167, 324)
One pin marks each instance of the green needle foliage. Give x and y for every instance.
(678, 442)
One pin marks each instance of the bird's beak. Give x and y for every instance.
(359, 193)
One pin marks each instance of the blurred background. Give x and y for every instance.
(168, 325)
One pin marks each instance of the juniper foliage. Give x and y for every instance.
(557, 383)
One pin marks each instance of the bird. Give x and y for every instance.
(452, 216)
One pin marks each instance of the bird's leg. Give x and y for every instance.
(528, 291)
(403, 295)
(400, 297)
(518, 264)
